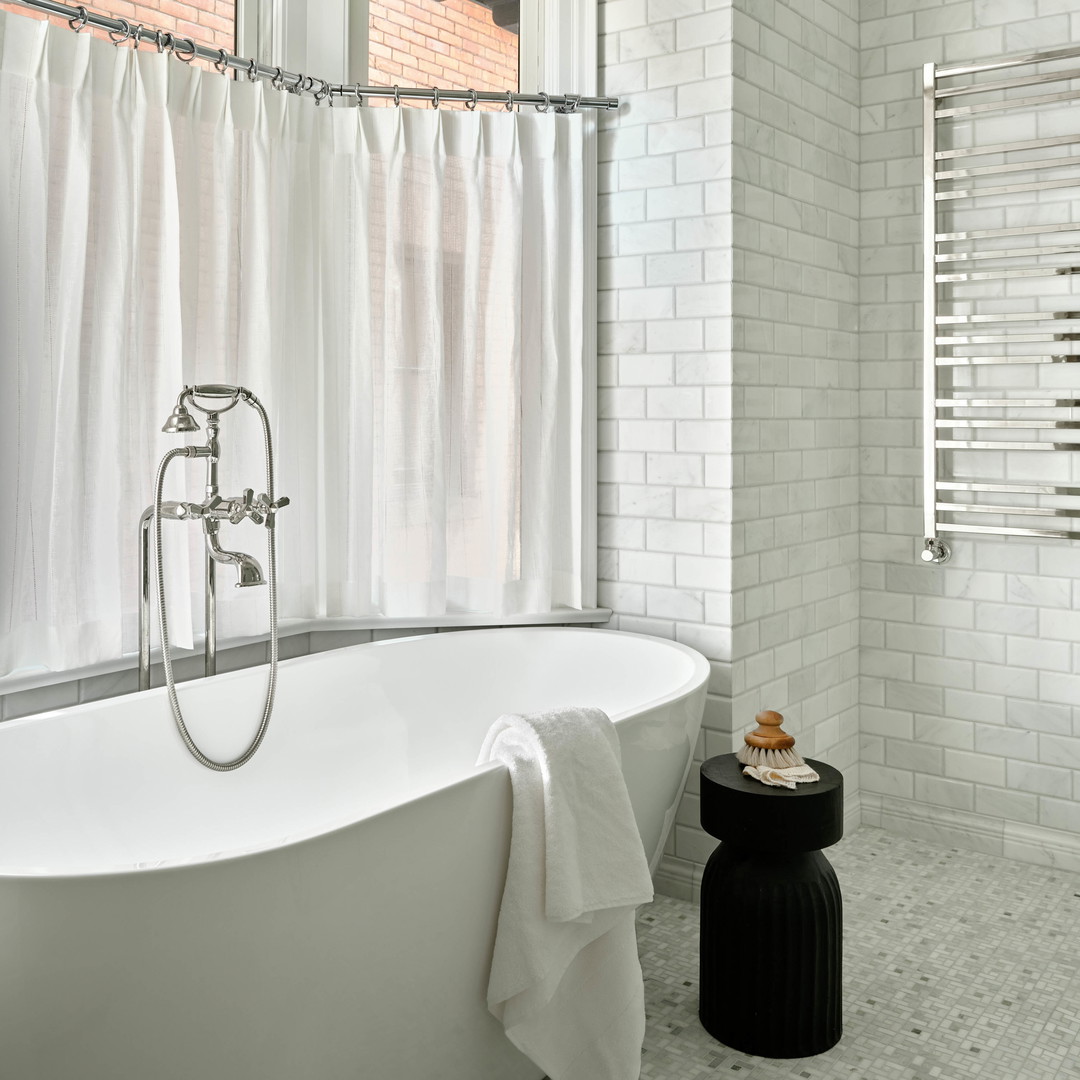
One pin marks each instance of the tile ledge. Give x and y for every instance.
(32, 679)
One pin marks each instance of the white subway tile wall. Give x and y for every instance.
(970, 671)
(665, 395)
(795, 202)
(729, 377)
(958, 688)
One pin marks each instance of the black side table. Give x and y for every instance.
(771, 912)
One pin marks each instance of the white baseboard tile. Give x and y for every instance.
(678, 878)
(1017, 840)
(870, 805)
(1042, 846)
(940, 824)
(853, 813)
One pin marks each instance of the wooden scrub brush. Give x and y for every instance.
(770, 748)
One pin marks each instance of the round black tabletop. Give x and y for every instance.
(744, 812)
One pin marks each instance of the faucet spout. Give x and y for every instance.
(248, 570)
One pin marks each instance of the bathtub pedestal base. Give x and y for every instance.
(771, 913)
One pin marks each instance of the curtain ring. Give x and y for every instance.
(547, 102)
(277, 80)
(397, 96)
(359, 96)
(253, 70)
(434, 97)
(162, 40)
(509, 100)
(222, 62)
(323, 93)
(297, 87)
(471, 103)
(79, 21)
(118, 37)
(136, 37)
(189, 49)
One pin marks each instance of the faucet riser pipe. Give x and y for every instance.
(144, 598)
(210, 617)
(168, 510)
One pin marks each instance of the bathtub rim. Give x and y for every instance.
(11, 874)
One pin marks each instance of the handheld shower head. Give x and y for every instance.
(180, 421)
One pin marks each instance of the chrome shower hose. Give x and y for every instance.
(271, 554)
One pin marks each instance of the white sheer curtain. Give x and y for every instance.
(402, 288)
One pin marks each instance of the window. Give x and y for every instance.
(452, 44)
(208, 22)
(555, 39)
(491, 45)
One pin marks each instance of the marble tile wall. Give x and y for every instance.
(728, 360)
(796, 431)
(970, 672)
(665, 395)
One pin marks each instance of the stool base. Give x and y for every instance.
(771, 952)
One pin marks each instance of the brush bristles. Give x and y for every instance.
(771, 759)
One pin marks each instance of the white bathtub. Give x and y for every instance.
(326, 912)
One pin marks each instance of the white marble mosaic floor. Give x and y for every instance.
(956, 965)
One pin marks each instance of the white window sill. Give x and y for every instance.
(35, 678)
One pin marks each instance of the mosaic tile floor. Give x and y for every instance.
(956, 965)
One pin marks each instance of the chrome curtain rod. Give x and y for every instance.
(186, 49)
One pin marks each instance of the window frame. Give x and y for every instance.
(558, 40)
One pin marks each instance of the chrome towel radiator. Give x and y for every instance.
(1001, 317)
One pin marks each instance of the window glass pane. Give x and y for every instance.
(451, 44)
(208, 22)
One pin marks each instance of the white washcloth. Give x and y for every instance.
(796, 774)
(565, 978)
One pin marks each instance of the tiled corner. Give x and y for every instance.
(729, 382)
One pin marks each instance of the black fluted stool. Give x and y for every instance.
(771, 912)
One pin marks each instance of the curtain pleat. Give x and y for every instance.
(401, 288)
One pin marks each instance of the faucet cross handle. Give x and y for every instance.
(194, 511)
(241, 508)
(271, 508)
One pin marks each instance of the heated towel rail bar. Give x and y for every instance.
(1000, 456)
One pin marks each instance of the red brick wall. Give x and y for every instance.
(208, 22)
(453, 45)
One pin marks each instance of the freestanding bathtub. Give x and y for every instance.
(328, 911)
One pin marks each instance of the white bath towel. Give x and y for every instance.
(565, 978)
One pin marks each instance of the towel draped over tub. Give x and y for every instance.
(565, 977)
